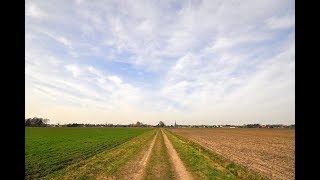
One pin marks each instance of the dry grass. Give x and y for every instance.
(270, 152)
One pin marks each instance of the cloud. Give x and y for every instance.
(64, 41)
(73, 69)
(115, 79)
(32, 10)
(280, 23)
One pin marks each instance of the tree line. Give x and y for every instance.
(43, 122)
(36, 122)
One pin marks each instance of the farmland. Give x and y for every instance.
(123, 153)
(269, 152)
(48, 150)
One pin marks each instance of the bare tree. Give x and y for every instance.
(36, 122)
(161, 124)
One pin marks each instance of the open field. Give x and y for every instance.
(270, 152)
(51, 149)
(123, 153)
(111, 164)
(204, 164)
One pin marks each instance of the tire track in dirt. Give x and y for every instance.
(136, 168)
(180, 169)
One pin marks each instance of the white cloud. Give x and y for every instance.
(32, 10)
(280, 23)
(64, 41)
(74, 69)
(115, 79)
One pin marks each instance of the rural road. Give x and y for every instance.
(180, 169)
(157, 159)
(141, 165)
(136, 169)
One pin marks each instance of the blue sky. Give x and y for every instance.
(194, 62)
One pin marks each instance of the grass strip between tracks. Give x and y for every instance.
(159, 166)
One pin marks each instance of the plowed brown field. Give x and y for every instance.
(270, 152)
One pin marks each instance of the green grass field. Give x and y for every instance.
(48, 150)
(109, 163)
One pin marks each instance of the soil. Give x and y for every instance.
(270, 152)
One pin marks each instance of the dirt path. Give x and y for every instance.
(159, 165)
(180, 169)
(135, 168)
(144, 160)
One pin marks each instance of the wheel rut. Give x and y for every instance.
(179, 168)
(137, 169)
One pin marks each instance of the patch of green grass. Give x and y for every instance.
(51, 149)
(159, 166)
(205, 164)
(106, 163)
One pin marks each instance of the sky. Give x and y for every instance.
(193, 62)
